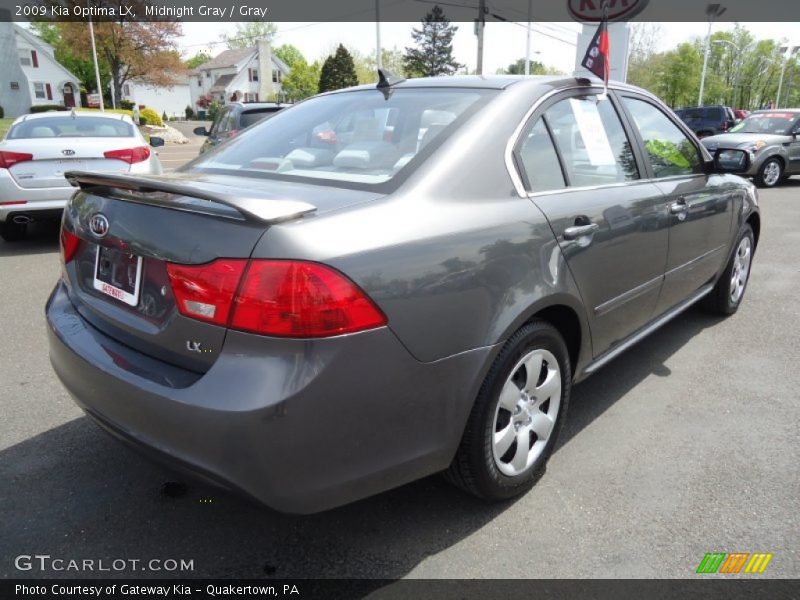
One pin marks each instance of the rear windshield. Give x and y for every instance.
(67, 126)
(359, 137)
(699, 114)
(254, 116)
(774, 122)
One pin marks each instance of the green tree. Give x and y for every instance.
(302, 81)
(289, 54)
(391, 58)
(247, 34)
(197, 60)
(338, 71)
(537, 68)
(433, 54)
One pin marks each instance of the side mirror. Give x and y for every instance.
(200, 131)
(731, 161)
(156, 142)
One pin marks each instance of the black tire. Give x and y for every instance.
(720, 301)
(474, 468)
(759, 178)
(12, 232)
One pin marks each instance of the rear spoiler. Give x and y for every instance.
(264, 210)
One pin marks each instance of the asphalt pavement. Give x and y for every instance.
(686, 444)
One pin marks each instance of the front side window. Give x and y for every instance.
(360, 137)
(670, 151)
(592, 142)
(539, 161)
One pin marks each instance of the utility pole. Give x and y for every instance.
(479, 25)
(96, 67)
(712, 12)
(528, 40)
(378, 60)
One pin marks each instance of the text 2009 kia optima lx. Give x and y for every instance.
(385, 282)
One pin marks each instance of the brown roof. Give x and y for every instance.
(228, 58)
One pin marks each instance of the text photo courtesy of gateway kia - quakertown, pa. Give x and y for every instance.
(391, 299)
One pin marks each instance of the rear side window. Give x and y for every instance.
(592, 142)
(66, 126)
(538, 160)
(670, 151)
(254, 116)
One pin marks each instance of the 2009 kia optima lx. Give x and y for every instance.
(385, 282)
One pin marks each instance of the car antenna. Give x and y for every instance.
(386, 80)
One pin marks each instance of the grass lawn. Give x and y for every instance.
(4, 125)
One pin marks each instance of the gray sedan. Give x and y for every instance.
(390, 281)
(771, 138)
(40, 148)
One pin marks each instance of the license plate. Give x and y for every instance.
(70, 165)
(118, 274)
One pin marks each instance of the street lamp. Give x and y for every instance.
(738, 69)
(712, 12)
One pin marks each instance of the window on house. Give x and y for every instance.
(208, 74)
(199, 82)
(25, 58)
(276, 76)
(126, 89)
(39, 91)
(34, 59)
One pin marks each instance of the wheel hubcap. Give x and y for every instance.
(772, 173)
(527, 412)
(741, 269)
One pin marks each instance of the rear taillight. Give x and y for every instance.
(9, 159)
(130, 155)
(275, 297)
(206, 291)
(69, 245)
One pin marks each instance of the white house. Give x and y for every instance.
(243, 74)
(172, 100)
(47, 81)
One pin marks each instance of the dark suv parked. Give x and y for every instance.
(233, 118)
(707, 120)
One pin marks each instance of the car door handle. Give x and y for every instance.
(577, 231)
(678, 207)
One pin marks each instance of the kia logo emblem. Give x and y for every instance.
(98, 225)
(68, 152)
(591, 11)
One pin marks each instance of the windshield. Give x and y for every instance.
(67, 126)
(358, 137)
(773, 122)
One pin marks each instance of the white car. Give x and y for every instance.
(40, 148)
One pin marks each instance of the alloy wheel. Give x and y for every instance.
(741, 269)
(526, 412)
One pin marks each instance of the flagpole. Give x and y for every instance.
(96, 67)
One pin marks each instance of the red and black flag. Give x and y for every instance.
(597, 58)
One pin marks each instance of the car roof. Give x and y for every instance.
(794, 111)
(79, 114)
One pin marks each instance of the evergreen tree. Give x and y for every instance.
(338, 71)
(434, 52)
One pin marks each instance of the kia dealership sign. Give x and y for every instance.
(591, 11)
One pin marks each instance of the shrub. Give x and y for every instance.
(151, 116)
(142, 120)
(189, 113)
(126, 104)
(40, 108)
(214, 109)
(2, 112)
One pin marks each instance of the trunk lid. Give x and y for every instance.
(170, 219)
(54, 157)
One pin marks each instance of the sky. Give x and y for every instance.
(504, 43)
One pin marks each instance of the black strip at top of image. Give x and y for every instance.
(397, 10)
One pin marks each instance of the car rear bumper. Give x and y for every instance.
(37, 201)
(301, 426)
